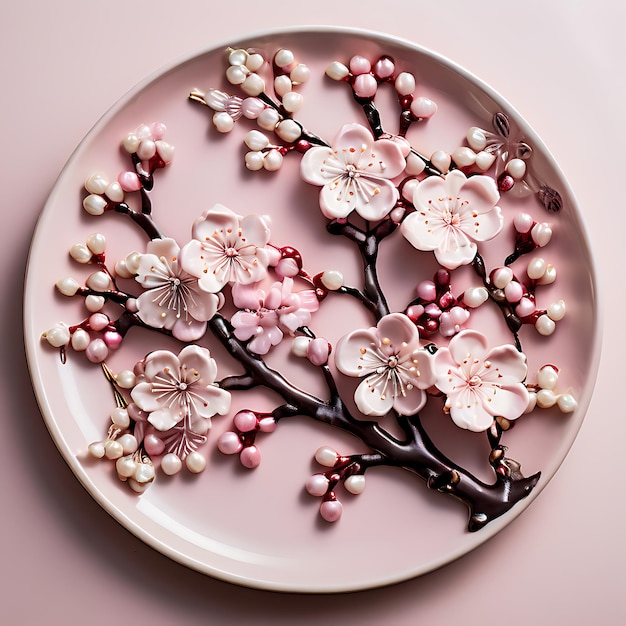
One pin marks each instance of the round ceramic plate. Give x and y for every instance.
(260, 527)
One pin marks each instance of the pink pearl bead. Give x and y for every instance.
(97, 351)
(331, 511)
(414, 312)
(153, 445)
(384, 67)
(359, 65)
(267, 425)
(98, 321)
(427, 290)
(250, 457)
(112, 339)
(317, 485)
(252, 108)
(365, 86)
(523, 222)
(229, 443)
(317, 351)
(129, 181)
(245, 421)
(513, 291)
(525, 307)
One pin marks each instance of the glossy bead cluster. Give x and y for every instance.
(241, 441)
(544, 393)
(323, 484)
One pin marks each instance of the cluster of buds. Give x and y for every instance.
(436, 308)
(241, 441)
(323, 484)
(529, 235)
(543, 394)
(149, 150)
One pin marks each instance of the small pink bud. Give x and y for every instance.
(250, 457)
(317, 351)
(112, 339)
(427, 291)
(384, 68)
(153, 445)
(98, 321)
(229, 443)
(359, 65)
(331, 510)
(129, 181)
(245, 421)
(317, 485)
(523, 222)
(365, 86)
(267, 425)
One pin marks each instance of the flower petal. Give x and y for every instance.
(510, 401)
(144, 398)
(468, 343)
(511, 363)
(158, 361)
(164, 419)
(188, 330)
(196, 363)
(396, 332)
(470, 414)
(219, 218)
(211, 400)
(410, 403)
(351, 349)
(370, 401)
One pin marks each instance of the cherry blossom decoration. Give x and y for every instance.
(226, 249)
(355, 174)
(481, 384)
(394, 368)
(264, 316)
(173, 389)
(451, 215)
(173, 298)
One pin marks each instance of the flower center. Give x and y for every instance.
(181, 386)
(231, 252)
(474, 381)
(351, 171)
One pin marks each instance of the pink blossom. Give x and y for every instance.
(265, 316)
(481, 384)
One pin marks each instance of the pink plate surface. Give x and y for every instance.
(261, 528)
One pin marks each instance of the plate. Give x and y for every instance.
(262, 527)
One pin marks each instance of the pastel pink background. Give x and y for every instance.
(65, 560)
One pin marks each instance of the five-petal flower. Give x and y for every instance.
(226, 249)
(394, 368)
(172, 299)
(451, 215)
(176, 388)
(481, 384)
(355, 174)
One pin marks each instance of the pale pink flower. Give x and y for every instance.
(227, 248)
(173, 298)
(395, 368)
(451, 215)
(355, 174)
(176, 388)
(265, 316)
(481, 384)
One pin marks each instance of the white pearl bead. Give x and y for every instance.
(532, 402)
(289, 130)
(67, 286)
(293, 101)
(119, 417)
(516, 168)
(546, 398)
(523, 222)
(326, 456)
(254, 61)
(525, 307)
(144, 473)
(268, 118)
(337, 71)
(299, 346)
(96, 242)
(272, 160)
(237, 57)
(464, 157)
(475, 296)
(317, 485)
(567, 403)
(332, 279)
(126, 379)
(549, 276)
(125, 467)
(80, 253)
(405, 83)
(541, 234)
(544, 325)
(99, 281)
(96, 184)
(355, 484)
(300, 74)
(236, 74)
(441, 160)
(254, 161)
(94, 303)
(476, 138)
(58, 336)
(80, 340)
(252, 107)
(536, 268)
(423, 108)
(114, 191)
(556, 311)
(94, 205)
(484, 160)
(130, 144)
(256, 140)
(96, 449)
(113, 449)
(136, 486)
(547, 377)
(502, 277)
(282, 85)
(195, 462)
(283, 58)
(171, 464)
(223, 122)
(253, 85)
(129, 443)
(414, 165)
